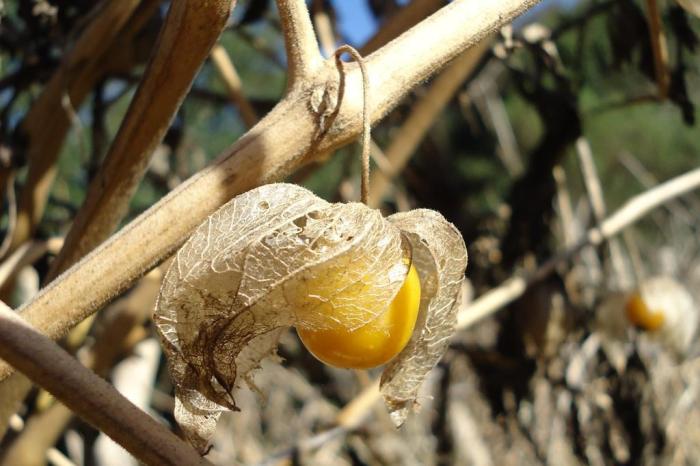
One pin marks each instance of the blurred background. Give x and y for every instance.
(541, 133)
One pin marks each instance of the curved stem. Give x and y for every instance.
(92, 398)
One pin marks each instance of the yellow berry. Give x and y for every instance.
(639, 314)
(374, 343)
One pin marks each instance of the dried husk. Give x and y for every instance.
(279, 256)
(440, 257)
(666, 295)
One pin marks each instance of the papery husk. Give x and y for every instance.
(666, 295)
(440, 257)
(271, 258)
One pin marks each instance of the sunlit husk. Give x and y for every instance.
(440, 257)
(668, 296)
(271, 258)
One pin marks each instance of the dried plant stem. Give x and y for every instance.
(47, 122)
(594, 190)
(12, 391)
(493, 107)
(26, 254)
(648, 181)
(56, 458)
(281, 142)
(366, 124)
(348, 419)
(227, 71)
(566, 212)
(39, 434)
(422, 117)
(122, 321)
(9, 183)
(187, 36)
(659, 49)
(93, 399)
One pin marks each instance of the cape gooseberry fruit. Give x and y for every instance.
(639, 314)
(375, 343)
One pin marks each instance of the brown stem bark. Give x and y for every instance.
(47, 122)
(187, 36)
(93, 399)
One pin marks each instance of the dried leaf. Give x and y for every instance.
(278, 256)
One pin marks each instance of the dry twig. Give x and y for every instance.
(659, 49)
(187, 36)
(594, 190)
(46, 124)
(227, 71)
(93, 399)
(324, 28)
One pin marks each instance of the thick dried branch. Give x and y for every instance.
(188, 34)
(284, 140)
(93, 399)
(99, 50)
(421, 51)
(43, 430)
